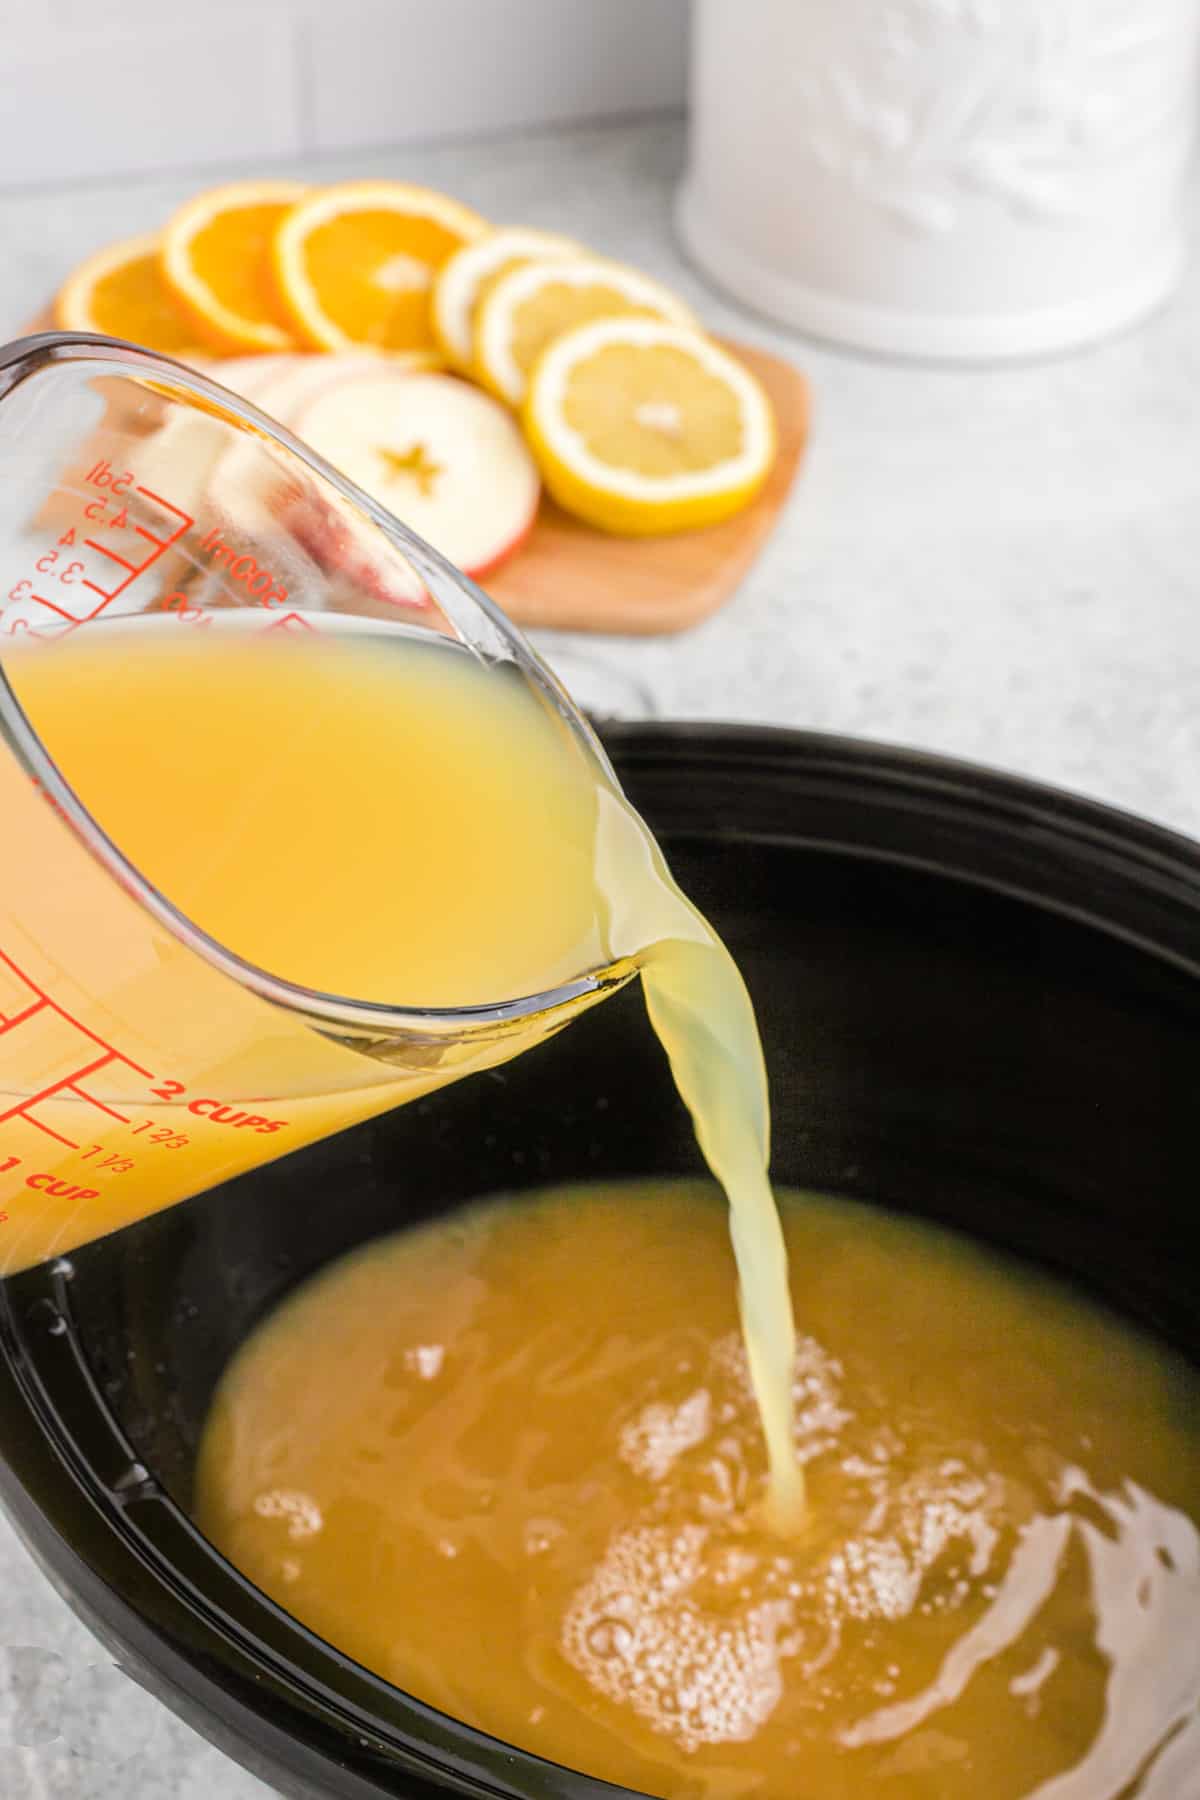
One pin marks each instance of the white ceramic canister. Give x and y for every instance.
(963, 179)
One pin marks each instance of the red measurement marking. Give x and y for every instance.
(9, 1020)
(289, 622)
(95, 1053)
(40, 600)
(158, 547)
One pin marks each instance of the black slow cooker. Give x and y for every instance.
(981, 1004)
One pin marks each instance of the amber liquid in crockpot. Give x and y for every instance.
(511, 1461)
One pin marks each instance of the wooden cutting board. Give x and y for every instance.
(568, 577)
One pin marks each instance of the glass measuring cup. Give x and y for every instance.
(141, 1060)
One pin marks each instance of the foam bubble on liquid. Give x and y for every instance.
(637, 1633)
(425, 1360)
(816, 1389)
(301, 1511)
(871, 1578)
(652, 1443)
(879, 1574)
(541, 1535)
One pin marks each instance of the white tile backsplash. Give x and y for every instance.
(86, 103)
(400, 70)
(144, 85)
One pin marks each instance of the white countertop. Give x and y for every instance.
(1001, 564)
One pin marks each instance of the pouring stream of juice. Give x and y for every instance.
(359, 816)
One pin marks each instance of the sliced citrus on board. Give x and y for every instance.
(642, 427)
(525, 310)
(121, 292)
(216, 257)
(464, 276)
(441, 456)
(355, 264)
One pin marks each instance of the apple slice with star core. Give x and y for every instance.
(443, 457)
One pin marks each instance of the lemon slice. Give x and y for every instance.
(641, 427)
(216, 258)
(526, 310)
(121, 292)
(355, 264)
(470, 270)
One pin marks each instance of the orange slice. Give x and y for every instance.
(355, 264)
(216, 258)
(120, 291)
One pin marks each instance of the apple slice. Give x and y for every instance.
(443, 457)
(254, 498)
(243, 485)
(189, 446)
(299, 379)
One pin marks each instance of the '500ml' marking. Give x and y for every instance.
(244, 569)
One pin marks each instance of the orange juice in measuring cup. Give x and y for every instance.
(293, 826)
